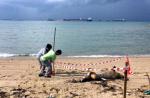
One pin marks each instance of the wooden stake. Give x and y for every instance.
(125, 84)
(148, 78)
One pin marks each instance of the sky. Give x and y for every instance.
(59, 9)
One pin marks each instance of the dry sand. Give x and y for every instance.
(19, 79)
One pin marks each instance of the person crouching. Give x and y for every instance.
(47, 60)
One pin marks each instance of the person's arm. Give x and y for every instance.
(38, 55)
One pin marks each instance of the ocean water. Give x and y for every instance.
(75, 38)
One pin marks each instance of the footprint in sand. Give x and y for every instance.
(22, 76)
(32, 66)
(3, 76)
(30, 73)
(32, 91)
(55, 89)
(44, 85)
(9, 75)
(44, 91)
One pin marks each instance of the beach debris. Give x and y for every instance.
(55, 89)
(109, 75)
(147, 92)
(74, 94)
(110, 88)
(102, 78)
(27, 93)
(51, 96)
(148, 78)
(19, 92)
(3, 94)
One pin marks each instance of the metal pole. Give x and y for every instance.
(125, 79)
(54, 38)
(53, 71)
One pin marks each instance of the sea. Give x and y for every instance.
(75, 38)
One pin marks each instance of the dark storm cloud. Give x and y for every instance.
(97, 2)
(42, 3)
(82, 2)
(35, 9)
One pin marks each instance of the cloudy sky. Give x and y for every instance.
(58, 9)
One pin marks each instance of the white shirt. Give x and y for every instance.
(40, 53)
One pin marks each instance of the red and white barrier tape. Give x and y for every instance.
(98, 63)
(72, 66)
(129, 71)
(81, 69)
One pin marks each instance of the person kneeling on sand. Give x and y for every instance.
(47, 60)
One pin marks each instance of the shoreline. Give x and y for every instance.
(73, 56)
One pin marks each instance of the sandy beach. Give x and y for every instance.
(19, 78)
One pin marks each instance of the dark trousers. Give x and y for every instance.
(46, 64)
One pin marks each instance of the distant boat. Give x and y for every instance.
(89, 19)
(50, 19)
(122, 20)
(80, 19)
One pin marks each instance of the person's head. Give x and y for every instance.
(48, 47)
(58, 52)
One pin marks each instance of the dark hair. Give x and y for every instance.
(58, 52)
(48, 47)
